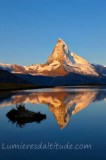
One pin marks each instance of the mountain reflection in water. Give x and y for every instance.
(62, 102)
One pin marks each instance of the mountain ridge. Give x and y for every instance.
(60, 62)
(62, 68)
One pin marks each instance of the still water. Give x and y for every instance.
(73, 125)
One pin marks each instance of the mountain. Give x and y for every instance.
(69, 61)
(12, 81)
(100, 69)
(63, 68)
(78, 79)
(37, 79)
(8, 77)
(59, 63)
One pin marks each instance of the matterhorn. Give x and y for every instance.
(60, 62)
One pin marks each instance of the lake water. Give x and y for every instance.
(74, 126)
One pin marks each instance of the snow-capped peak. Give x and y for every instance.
(78, 59)
(60, 42)
(59, 52)
(5, 66)
(60, 62)
(69, 61)
(62, 54)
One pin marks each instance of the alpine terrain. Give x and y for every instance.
(62, 68)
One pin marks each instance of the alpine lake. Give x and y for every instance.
(53, 123)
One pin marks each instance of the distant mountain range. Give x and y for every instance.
(62, 68)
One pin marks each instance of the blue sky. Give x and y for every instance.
(29, 29)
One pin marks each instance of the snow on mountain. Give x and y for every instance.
(59, 52)
(13, 68)
(100, 69)
(5, 67)
(60, 62)
(70, 61)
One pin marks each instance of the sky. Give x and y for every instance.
(29, 29)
